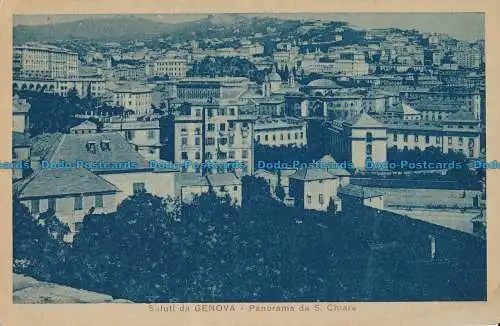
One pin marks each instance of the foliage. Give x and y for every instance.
(36, 252)
(227, 66)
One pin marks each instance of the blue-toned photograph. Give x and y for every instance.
(249, 158)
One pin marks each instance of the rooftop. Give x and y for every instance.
(312, 174)
(223, 179)
(60, 182)
(359, 191)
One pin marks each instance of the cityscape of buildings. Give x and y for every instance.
(185, 123)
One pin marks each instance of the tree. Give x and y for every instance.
(332, 207)
(35, 252)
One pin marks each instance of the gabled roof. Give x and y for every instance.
(359, 191)
(365, 121)
(187, 179)
(334, 170)
(85, 125)
(72, 148)
(61, 182)
(323, 83)
(312, 174)
(223, 179)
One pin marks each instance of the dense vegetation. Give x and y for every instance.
(155, 250)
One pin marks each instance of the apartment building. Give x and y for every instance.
(287, 131)
(41, 61)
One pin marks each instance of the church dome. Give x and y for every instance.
(274, 77)
(323, 83)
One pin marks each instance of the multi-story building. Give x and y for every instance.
(144, 135)
(94, 86)
(204, 88)
(40, 61)
(468, 58)
(281, 131)
(132, 96)
(212, 137)
(171, 66)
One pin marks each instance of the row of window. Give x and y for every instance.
(130, 134)
(282, 136)
(321, 199)
(438, 139)
(220, 155)
(77, 203)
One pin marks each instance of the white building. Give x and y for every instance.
(42, 61)
(281, 131)
(171, 66)
(132, 96)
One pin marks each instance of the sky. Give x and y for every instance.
(463, 26)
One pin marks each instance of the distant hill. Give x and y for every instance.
(113, 28)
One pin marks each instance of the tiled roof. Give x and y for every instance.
(364, 121)
(44, 145)
(191, 179)
(223, 179)
(312, 174)
(60, 182)
(358, 191)
(85, 125)
(72, 147)
(461, 115)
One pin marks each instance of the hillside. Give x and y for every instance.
(114, 28)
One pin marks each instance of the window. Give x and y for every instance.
(369, 137)
(211, 127)
(78, 203)
(244, 153)
(184, 155)
(274, 137)
(231, 123)
(258, 138)
(129, 134)
(210, 141)
(281, 137)
(231, 140)
(197, 155)
(416, 138)
(98, 201)
(35, 206)
(395, 137)
(266, 137)
(222, 127)
(197, 112)
(309, 199)
(197, 141)
(405, 148)
(438, 139)
(184, 141)
(138, 187)
(450, 140)
(427, 139)
(52, 204)
(321, 199)
(197, 131)
(222, 188)
(405, 138)
(230, 154)
(369, 149)
(151, 134)
(223, 141)
(301, 135)
(208, 156)
(296, 135)
(289, 136)
(460, 141)
(231, 112)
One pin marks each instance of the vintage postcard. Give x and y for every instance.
(265, 163)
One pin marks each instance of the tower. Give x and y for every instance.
(368, 142)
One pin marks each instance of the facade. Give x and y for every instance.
(20, 111)
(171, 66)
(357, 195)
(144, 135)
(132, 96)
(313, 188)
(94, 86)
(281, 131)
(201, 88)
(40, 61)
(216, 135)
